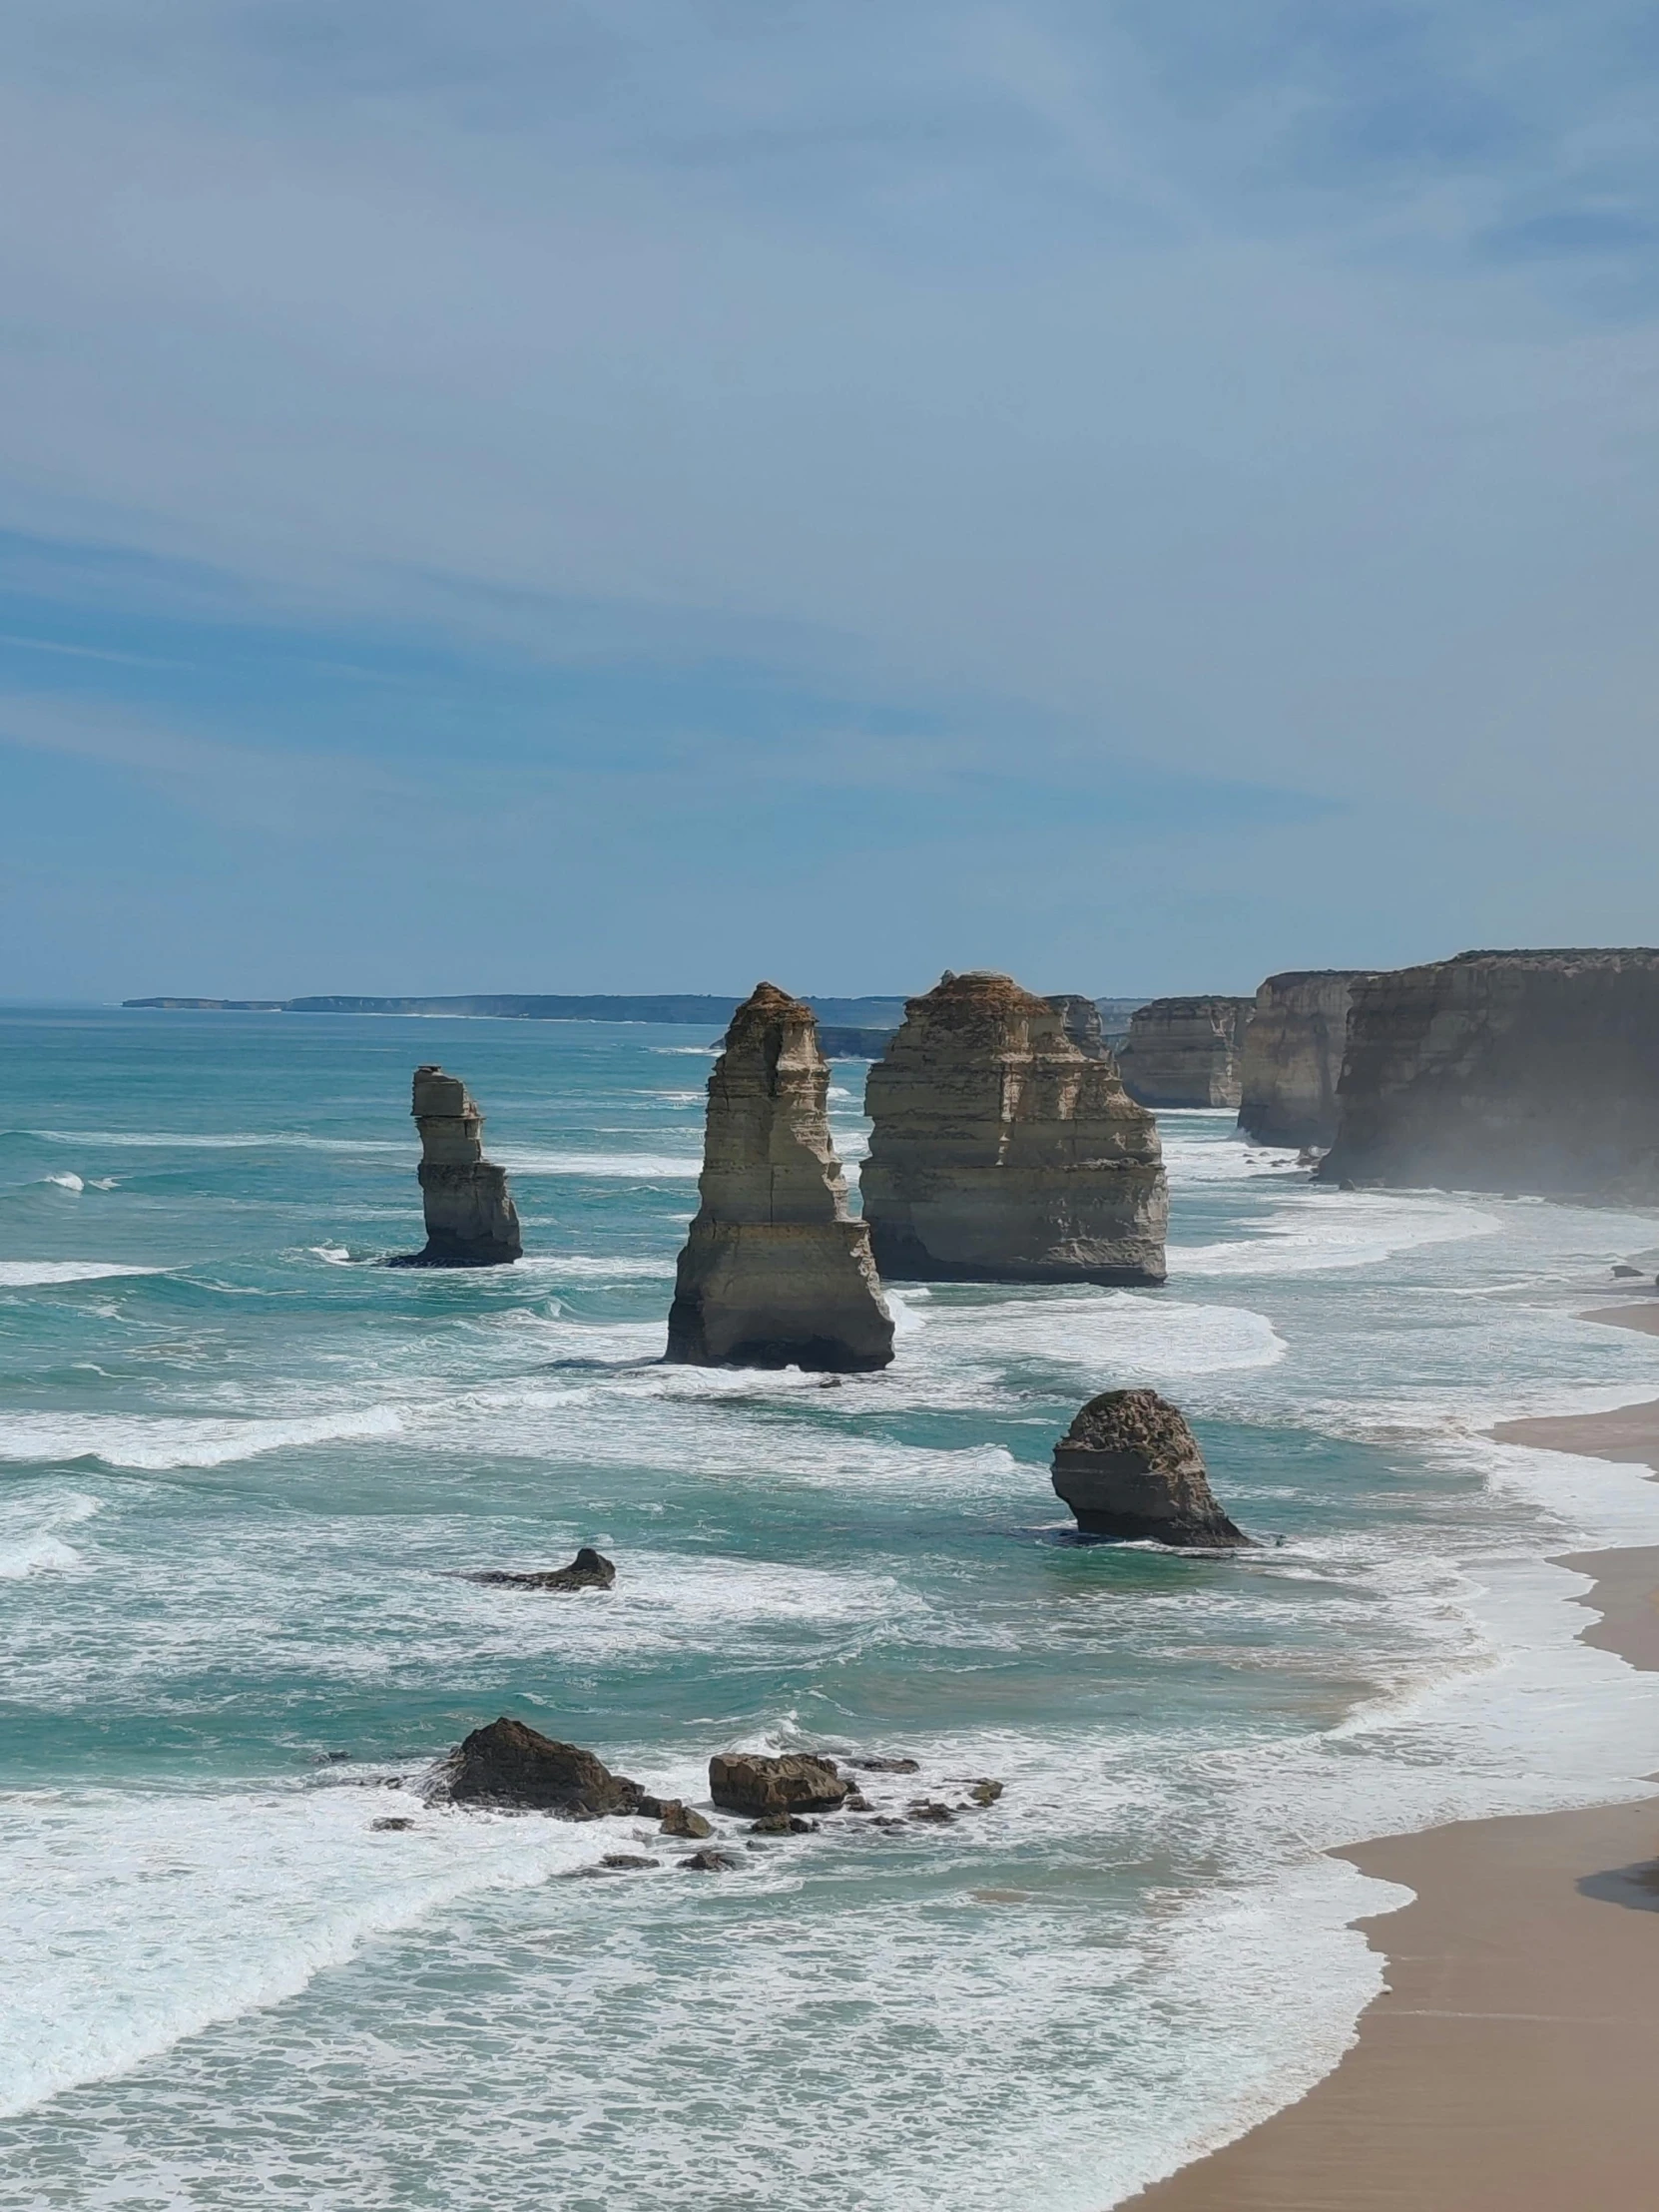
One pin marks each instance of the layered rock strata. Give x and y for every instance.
(471, 1221)
(1293, 1056)
(1186, 1051)
(1002, 1152)
(1533, 1072)
(774, 1272)
(1130, 1468)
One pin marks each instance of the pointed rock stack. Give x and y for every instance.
(1003, 1152)
(774, 1272)
(471, 1221)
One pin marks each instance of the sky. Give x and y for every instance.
(644, 495)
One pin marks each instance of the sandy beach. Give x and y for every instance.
(1510, 2063)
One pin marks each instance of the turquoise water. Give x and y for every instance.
(243, 1468)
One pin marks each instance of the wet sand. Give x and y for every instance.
(1510, 2063)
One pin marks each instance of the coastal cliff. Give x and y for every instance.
(774, 1272)
(1186, 1051)
(1506, 1071)
(1293, 1056)
(471, 1221)
(1002, 1152)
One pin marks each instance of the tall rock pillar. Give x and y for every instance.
(471, 1221)
(774, 1272)
(1003, 1152)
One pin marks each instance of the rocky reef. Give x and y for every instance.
(774, 1272)
(755, 1782)
(1186, 1051)
(1533, 1072)
(511, 1764)
(1003, 1152)
(589, 1570)
(1130, 1468)
(1293, 1056)
(471, 1221)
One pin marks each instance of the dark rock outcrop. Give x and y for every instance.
(750, 1782)
(1130, 1468)
(1533, 1072)
(471, 1221)
(679, 1819)
(1186, 1051)
(509, 1764)
(774, 1272)
(589, 1570)
(1293, 1056)
(1002, 1152)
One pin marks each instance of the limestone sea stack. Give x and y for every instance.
(1002, 1152)
(1186, 1051)
(774, 1272)
(471, 1221)
(1293, 1056)
(1130, 1468)
(1533, 1072)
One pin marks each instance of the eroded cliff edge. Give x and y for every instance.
(774, 1272)
(1186, 1051)
(1003, 1152)
(1293, 1055)
(1535, 1072)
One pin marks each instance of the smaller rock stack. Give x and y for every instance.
(1130, 1468)
(1186, 1051)
(774, 1272)
(471, 1221)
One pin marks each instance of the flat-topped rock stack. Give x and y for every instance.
(1081, 1020)
(1130, 1468)
(1186, 1051)
(1002, 1152)
(1293, 1056)
(471, 1221)
(774, 1272)
(1533, 1072)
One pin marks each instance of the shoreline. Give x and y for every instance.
(1505, 2065)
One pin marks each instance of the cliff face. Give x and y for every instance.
(471, 1221)
(1003, 1153)
(1293, 1056)
(774, 1272)
(1506, 1071)
(1186, 1051)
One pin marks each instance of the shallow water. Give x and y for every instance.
(241, 1468)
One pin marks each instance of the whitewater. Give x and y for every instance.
(245, 1470)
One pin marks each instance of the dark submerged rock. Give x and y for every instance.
(708, 1861)
(750, 1782)
(589, 1570)
(510, 1764)
(782, 1824)
(1130, 1468)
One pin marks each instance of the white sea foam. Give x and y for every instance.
(161, 1440)
(1320, 1230)
(31, 1542)
(619, 1166)
(65, 1182)
(27, 1274)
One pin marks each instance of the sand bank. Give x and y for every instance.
(1510, 2065)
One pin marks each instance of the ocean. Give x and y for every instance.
(245, 1470)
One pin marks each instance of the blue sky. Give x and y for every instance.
(642, 495)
